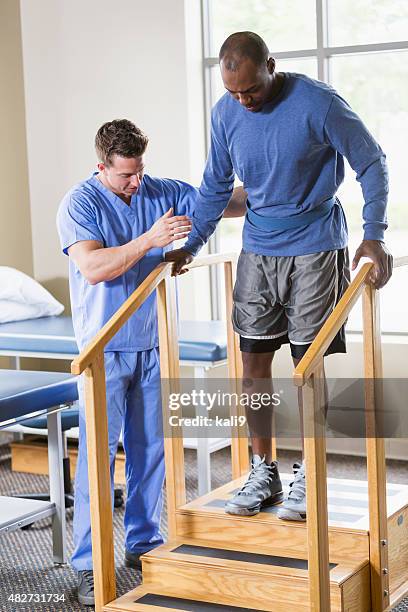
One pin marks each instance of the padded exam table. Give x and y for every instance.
(25, 394)
(202, 345)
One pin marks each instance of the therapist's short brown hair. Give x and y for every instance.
(119, 137)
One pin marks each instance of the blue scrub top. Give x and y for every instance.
(89, 211)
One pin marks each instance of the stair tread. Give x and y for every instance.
(347, 503)
(145, 599)
(217, 555)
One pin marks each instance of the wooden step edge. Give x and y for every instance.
(338, 574)
(191, 541)
(343, 561)
(131, 605)
(264, 519)
(129, 602)
(224, 516)
(353, 569)
(233, 566)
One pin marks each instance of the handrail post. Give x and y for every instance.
(170, 372)
(314, 400)
(376, 469)
(239, 443)
(99, 482)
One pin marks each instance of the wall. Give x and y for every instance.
(89, 62)
(15, 224)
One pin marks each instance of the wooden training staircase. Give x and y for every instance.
(351, 555)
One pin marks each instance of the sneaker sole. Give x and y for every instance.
(291, 515)
(86, 601)
(270, 501)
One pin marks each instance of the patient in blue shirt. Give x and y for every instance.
(289, 157)
(285, 136)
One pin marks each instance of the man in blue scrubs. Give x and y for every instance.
(116, 226)
(285, 136)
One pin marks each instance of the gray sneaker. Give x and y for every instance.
(86, 595)
(263, 488)
(294, 507)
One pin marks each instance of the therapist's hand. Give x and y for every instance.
(181, 258)
(380, 256)
(167, 229)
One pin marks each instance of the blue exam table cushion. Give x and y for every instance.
(199, 340)
(202, 340)
(69, 419)
(24, 392)
(46, 335)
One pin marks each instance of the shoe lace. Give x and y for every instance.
(259, 476)
(88, 578)
(297, 488)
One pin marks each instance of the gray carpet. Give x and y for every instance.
(25, 560)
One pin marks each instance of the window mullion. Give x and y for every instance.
(322, 35)
(214, 241)
(208, 92)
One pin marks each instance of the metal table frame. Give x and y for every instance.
(26, 511)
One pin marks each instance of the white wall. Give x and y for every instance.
(89, 62)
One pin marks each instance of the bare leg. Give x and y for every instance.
(263, 486)
(257, 376)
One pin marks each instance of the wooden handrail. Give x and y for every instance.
(324, 338)
(134, 301)
(210, 260)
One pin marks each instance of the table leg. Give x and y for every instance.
(57, 492)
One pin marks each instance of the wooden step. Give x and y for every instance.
(227, 563)
(205, 519)
(144, 599)
(261, 581)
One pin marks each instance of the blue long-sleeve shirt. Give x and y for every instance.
(289, 157)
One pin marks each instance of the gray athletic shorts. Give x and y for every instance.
(287, 299)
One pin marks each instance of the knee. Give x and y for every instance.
(257, 365)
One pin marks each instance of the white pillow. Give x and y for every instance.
(21, 297)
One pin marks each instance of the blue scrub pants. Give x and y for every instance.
(133, 403)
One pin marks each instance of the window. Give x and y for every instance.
(362, 22)
(360, 47)
(286, 26)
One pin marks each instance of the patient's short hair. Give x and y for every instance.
(119, 137)
(241, 46)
